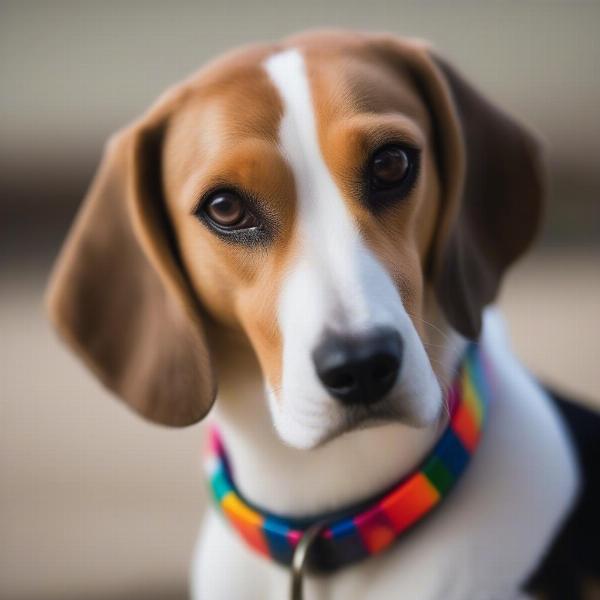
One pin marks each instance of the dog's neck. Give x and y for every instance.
(348, 469)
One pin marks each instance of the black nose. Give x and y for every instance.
(359, 369)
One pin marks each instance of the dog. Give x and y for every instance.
(322, 225)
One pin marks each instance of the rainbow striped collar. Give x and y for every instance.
(361, 531)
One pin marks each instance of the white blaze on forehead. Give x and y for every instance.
(335, 284)
(328, 235)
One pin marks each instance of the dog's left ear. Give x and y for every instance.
(492, 185)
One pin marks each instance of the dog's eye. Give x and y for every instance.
(227, 210)
(389, 166)
(391, 172)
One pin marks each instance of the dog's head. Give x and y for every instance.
(307, 199)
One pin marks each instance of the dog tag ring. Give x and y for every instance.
(299, 559)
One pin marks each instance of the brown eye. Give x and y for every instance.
(228, 210)
(389, 166)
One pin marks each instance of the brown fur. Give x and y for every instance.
(140, 278)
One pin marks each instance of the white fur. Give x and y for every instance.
(487, 536)
(336, 284)
(481, 543)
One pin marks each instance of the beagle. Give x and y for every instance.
(319, 226)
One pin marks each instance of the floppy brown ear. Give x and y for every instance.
(119, 296)
(499, 211)
(492, 184)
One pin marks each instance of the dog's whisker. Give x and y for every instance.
(429, 324)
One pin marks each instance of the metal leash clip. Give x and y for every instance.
(298, 567)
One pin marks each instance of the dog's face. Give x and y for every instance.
(310, 197)
(307, 221)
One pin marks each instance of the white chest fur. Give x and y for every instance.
(479, 545)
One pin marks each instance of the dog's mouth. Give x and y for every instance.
(381, 414)
(362, 417)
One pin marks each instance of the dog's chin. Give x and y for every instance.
(301, 436)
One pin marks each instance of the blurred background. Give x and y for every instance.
(94, 502)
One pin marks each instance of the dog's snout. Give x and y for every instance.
(359, 369)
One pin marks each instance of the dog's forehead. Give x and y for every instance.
(235, 96)
(230, 98)
(230, 118)
(355, 78)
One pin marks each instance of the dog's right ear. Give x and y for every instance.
(119, 295)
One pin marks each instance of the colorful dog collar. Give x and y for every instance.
(362, 531)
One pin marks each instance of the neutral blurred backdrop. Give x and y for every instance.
(95, 503)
